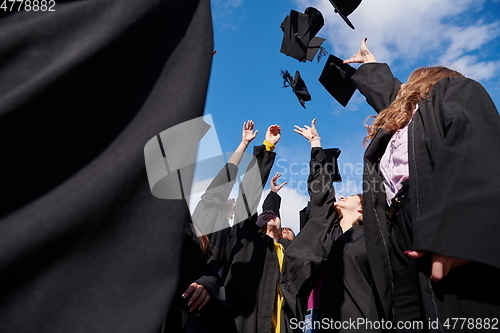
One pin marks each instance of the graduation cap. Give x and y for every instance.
(336, 78)
(345, 8)
(299, 31)
(298, 86)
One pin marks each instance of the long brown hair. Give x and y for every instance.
(399, 113)
(206, 248)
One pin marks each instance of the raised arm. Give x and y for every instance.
(250, 190)
(257, 174)
(374, 80)
(321, 174)
(308, 251)
(273, 200)
(247, 136)
(210, 215)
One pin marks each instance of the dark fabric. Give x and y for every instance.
(201, 268)
(407, 299)
(210, 210)
(272, 202)
(453, 149)
(84, 245)
(322, 249)
(252, 273)
(304, 215)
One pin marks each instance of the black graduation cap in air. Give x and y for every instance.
(336, 78)
(299, 31)
(298, 86)
(345, 8)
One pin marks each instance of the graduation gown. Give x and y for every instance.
(201, 268)
(84, 245)
(252, 270)
(210, 212)
(322, 248)
(453, 153)
(273, 203)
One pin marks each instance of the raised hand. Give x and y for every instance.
(274, 185)
(308, 132)
(273, 134)
(363, 56)
(248, 133)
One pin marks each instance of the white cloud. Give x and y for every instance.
(229, 3)
(471, 67)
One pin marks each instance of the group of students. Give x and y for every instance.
(413, 251)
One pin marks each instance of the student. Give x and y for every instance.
(287, 233)
(215, 209)
(251, 276)
(431, 223)
(199, 305)
(326, 272)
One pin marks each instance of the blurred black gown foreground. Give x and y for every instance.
(84, 245)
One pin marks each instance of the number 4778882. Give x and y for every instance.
(28, 5)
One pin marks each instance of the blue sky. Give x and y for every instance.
(246, 84)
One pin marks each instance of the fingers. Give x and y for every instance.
(190, 290)
(313, 122)
(198, 298)
(248, 125)
(205, 301)
(281, 185)
(415, 254)
(438, 270)
(299, 130)
(441, 265)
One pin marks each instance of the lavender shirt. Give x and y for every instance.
(394, 163)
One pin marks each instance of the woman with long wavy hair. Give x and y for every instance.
(433, 150)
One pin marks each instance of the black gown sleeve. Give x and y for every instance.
(376, 82)
(306, 254)
(272, 202)
(249, 195)
(458, 214)
(210, 216)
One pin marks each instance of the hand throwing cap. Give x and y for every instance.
(298, 86)
(299, 31)
(345, 8)
(336, 78)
